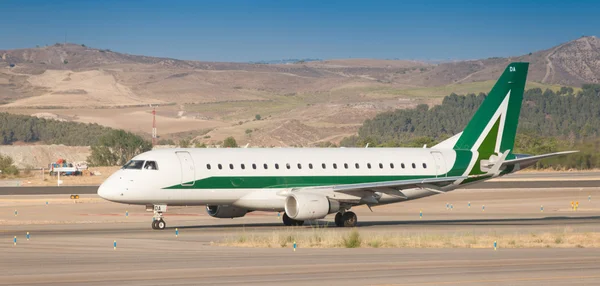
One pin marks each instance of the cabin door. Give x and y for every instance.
(188, 172)
(440, 164)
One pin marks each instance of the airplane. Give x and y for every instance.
(311, 183)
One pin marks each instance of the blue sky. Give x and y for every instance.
(270, 30)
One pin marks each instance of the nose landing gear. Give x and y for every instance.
(159, 224)
(157, 221)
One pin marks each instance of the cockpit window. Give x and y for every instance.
(134, 165)
(150, 165)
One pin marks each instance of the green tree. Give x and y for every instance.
(166, 142)
(7, 167)
(185, 143)
(230, 142)
(117, 147)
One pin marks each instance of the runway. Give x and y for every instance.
(176, 262)
(71, 243)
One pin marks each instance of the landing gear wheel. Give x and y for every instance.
(287, 221)
(161, 224)
(338, 220)
(349, 219)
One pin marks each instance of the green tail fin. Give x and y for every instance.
(493, 128)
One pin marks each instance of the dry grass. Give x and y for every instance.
(331, 238)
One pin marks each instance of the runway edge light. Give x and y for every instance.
(114, 244)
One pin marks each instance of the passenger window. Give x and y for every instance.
(402, 165)
(287, 165)
(276, 166)
(414, 166)
(220, 167)
(231, 166)
(380, 166)
(392, 165)
(208, 166)
(243, 166)
(310, 165)
(357, 166)
(324, 166)
(334, 165)
(254, 166)
(299, 166)
(424, 166)
(369, 165)
(134, 165)
(265, 166)
(346, 165)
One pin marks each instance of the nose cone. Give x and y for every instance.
(108, 190)
(105, 192)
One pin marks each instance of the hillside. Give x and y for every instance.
(302, 103)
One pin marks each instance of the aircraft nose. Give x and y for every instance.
(103, 191)
(108, 190)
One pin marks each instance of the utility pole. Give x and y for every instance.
(153, 126)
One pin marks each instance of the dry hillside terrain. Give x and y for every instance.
(299, 104)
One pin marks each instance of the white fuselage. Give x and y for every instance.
(255, 178)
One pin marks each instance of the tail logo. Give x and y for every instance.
(488, 144)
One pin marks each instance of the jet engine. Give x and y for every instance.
(225, 211)
(309, 206)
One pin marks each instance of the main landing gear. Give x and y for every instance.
(342, 219)
(291, 222)
(157, 221)
(346, 219)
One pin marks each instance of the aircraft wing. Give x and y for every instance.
(394, 187)
(530, 160)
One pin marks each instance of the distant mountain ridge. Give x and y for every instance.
(302, 102)
(284, 61)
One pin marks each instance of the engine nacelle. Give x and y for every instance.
(225, 211)
(309, 206)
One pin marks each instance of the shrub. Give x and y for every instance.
(352, 240)
(7, 167)
(230, 142)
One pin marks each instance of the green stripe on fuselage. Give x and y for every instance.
(461, 164)
(265, 182)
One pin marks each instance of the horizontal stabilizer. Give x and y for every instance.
(530, 160)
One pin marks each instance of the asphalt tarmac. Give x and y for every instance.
(71, 243)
